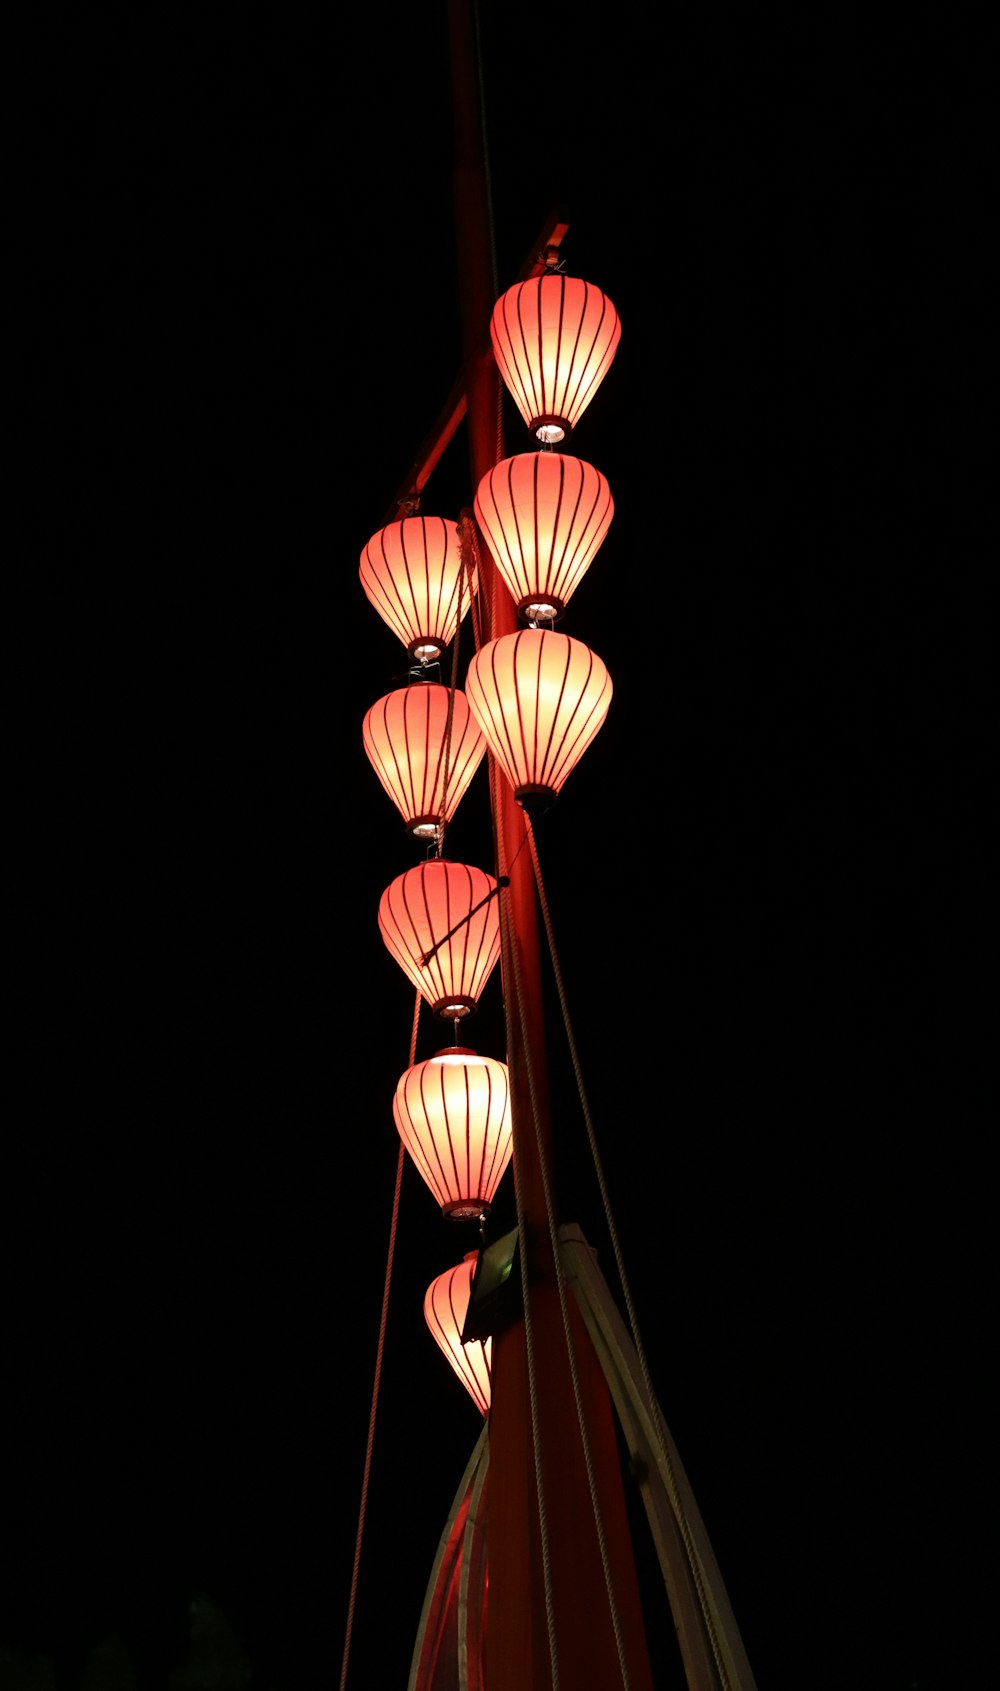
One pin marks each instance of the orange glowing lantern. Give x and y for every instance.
(539, 697)
(445, 1304)
(543, 516)
(425, 746)
(412, 573)
(453, 1116)
(441, 922)
(554, 338)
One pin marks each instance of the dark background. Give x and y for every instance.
(765, 878)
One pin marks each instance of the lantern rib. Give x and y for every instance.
(434, 1073)
(559, 405)
(558, 732)
(577, 529)
(404, 769)
(548, 402)
(504, 738)
(536, 400)
(512, 370)
(461, 1176)
(473, 1175)
(571, 391)
(574, 748)
(518, 573)
(418, 802)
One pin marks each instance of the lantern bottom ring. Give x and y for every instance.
(534, 799)
(550, 429)
(425, 651)
(534, 609)
(453, 1009)
(424, 827)
(466, 1209)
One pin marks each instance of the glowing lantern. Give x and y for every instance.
(554, 338)
(414, 751)
(412, 573)
(543, 516)
(445, 1304)
(441, 922)
(453, 1116)
(539, 697)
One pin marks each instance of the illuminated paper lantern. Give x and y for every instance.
(453, 1116)
(417, 739)
(445, 1304)
(412, 573)
(554, 338)
(539, 697)
(543, 516)
(441, 922)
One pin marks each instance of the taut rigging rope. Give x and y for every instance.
(571, 1359)
(363, 1506)
(680, 1514)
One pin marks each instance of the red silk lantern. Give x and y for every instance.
(543, 516)
(446, 1302)
(441, 922)
(412, 573)
(539, 697)
(414, 750)
(554, 338)
(453, 1116)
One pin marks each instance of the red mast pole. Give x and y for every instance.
(546, 1570)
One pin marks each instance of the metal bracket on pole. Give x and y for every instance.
(549, 239)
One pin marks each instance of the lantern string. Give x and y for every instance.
(694, 1560)
(379, 1352)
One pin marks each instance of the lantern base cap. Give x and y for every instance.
(453, 1009)
(542, 611)
(466, 1209)
(424, 827)
(550, 430)
(536, 800)
(425, 651)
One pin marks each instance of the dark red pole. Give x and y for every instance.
(517, 1656)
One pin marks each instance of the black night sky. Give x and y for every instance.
(765, 877)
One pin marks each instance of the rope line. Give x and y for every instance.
(550, 1213)
(379, 1353)
(690, 1549)
(494, 892)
